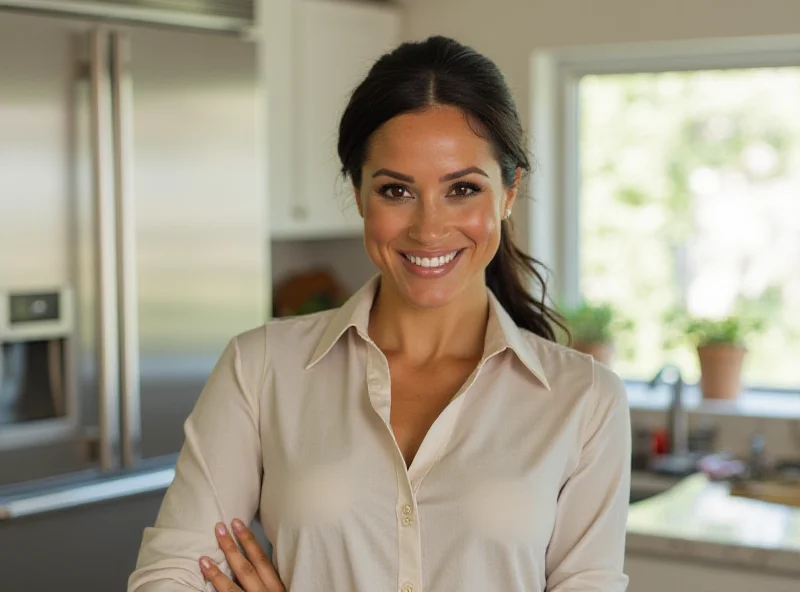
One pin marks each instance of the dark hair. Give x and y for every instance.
(441, 71)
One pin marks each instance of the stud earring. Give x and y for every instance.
(508, 214)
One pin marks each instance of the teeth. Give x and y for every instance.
(432, 261)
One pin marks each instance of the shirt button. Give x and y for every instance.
(407, 588)
(406, 510)
(407, 521)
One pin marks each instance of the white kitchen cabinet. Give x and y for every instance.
(334, 44)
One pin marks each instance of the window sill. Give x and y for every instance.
(758, 404)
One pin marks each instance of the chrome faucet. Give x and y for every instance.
(678, 428)
(757, 467)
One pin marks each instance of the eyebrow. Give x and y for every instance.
(447, 177)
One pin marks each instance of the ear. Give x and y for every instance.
(511, 193)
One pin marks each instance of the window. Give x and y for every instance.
(675, 185)
(689, 197)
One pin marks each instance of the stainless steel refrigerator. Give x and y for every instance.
(132, 228)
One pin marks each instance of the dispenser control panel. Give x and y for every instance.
(29, 308)
(35, 314)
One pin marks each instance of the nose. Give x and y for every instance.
(428, 225)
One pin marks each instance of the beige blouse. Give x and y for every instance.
(521, 484)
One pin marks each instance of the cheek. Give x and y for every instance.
(482, 226)
(382, 225)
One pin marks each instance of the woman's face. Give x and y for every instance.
(432, 200)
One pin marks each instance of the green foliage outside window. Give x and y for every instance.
(690, 200)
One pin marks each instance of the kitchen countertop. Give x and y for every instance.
(698, 519)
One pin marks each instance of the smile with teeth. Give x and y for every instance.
(432, 261)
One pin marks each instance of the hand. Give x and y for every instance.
(254, 572)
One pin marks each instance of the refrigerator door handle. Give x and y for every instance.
(104, 248)
(122, 110)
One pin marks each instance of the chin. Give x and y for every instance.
(429, 293)
(430, 297)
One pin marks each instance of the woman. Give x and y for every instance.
(429, 435)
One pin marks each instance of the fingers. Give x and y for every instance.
(257, 557)
(222, 583)
(244, 570)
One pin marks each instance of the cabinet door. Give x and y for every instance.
(335, 45)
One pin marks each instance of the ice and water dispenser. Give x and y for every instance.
(37, 399)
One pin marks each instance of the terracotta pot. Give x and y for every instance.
(721, 370)
(602, 352)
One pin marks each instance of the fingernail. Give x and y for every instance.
(205, 562)
(238, 525)
(221, 529)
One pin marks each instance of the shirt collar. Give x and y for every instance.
(501, 332)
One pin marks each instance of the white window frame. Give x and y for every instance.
(553, 215)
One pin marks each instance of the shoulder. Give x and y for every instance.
(587, 389)
(285, 342)
(297, 335)
(304, 325)
(575, 374)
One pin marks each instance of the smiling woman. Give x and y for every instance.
(430, 434)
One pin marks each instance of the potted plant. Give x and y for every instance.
(721, 350)
(592, 328)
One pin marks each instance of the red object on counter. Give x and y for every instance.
(659, 443)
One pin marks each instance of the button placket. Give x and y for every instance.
(408, 532)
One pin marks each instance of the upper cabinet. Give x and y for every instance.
(333, 44)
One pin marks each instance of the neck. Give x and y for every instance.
(456, 330)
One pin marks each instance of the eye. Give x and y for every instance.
(394, 192)
(465, 189)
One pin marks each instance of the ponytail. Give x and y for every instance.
(508, 276)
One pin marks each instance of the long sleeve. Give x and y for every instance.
(217, 476)
(587, 548)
